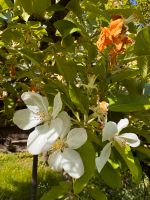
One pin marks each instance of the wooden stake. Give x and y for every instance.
(34, 177)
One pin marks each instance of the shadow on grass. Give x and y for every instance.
(22, 190)
(15, 177)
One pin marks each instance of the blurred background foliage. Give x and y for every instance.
(50, 46)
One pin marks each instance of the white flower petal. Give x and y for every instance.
(26, 119)
(55, 160)
(76, 138)
(123, 123)
(37, 139)
(54, 132)
(72, 163)
(130, 139)
(66, 123)
(35, 102)
(103, 158)
(109, 131)
(42, 138)
(56, 127)
(57, 105)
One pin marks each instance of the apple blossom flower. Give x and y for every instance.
(47, 124)
(64, 156)
(111, 133)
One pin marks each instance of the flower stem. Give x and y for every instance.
(34, 177)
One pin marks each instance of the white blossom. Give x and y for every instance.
(64, 156)
(47, 124)
(111, 133)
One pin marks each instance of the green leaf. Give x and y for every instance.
(25, 74)
(144, 150)
(92, 51)
(68, 43)
(133, 85)
(57, 191)
(142, 42)
(130, 161)
(92, 7)
(9, 105)
(74, 6)
(66, 27)
(11, 35)
(88, 156)
(97, 194)
(147, 137)
(79, 99)
(9, 88)
(40, 6)
(55, 7)
(143, 64)
(5, 4)
(26, 5)
(124, 74)
(126, 12)
(111, 176)
(54, 85)
(129, 103)
(33, 6)
(66, 68)
(92, 136)
(100, 69)
(23, 86)
(32, 25)
(34, 58)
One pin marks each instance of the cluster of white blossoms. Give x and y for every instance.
(111, 132)
(52, 131)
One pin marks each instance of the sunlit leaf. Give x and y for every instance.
(26, 5)
(126, 12)
(79, 99)
(129, 103)
(142, 42)
(111, 176)
(130, 161)
(66, 27)
(66, 68)
(33, 6)
(97, 194)
(124, 74)
(74, 6)
(5, 4)
(57, 192)
(89, 167)
(40, 6)
(31, 56)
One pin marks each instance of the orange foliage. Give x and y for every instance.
(114, 36)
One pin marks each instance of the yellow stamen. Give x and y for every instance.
(58, 145)
(43, 116)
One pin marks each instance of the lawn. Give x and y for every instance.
(15, 176)
(15, 181)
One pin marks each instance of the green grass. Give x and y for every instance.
(15, 177)
(15, 181)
